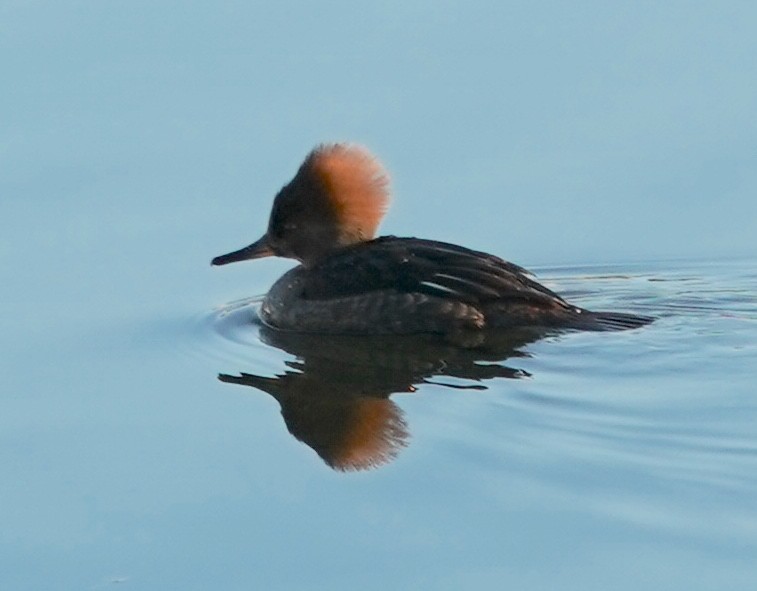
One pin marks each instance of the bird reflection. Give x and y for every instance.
(335, 397)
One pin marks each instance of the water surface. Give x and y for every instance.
(140, 139)
(618, 460)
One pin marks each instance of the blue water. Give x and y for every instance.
(607, 146)
(584, 460)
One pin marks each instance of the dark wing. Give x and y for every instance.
(413, 265)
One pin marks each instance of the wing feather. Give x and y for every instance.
(412, 265)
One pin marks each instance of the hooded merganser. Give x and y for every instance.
(349, 282)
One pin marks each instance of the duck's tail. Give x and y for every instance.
(610, 321)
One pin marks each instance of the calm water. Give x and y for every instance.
(577, 461)
(153, 437)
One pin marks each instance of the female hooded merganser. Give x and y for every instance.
(349, 282)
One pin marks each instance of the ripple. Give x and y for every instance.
(228, 337)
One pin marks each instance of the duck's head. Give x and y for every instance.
(337, 198)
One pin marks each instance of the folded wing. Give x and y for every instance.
(412, 265)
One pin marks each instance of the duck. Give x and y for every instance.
(349, 281)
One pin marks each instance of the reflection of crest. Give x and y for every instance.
(335, 396)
